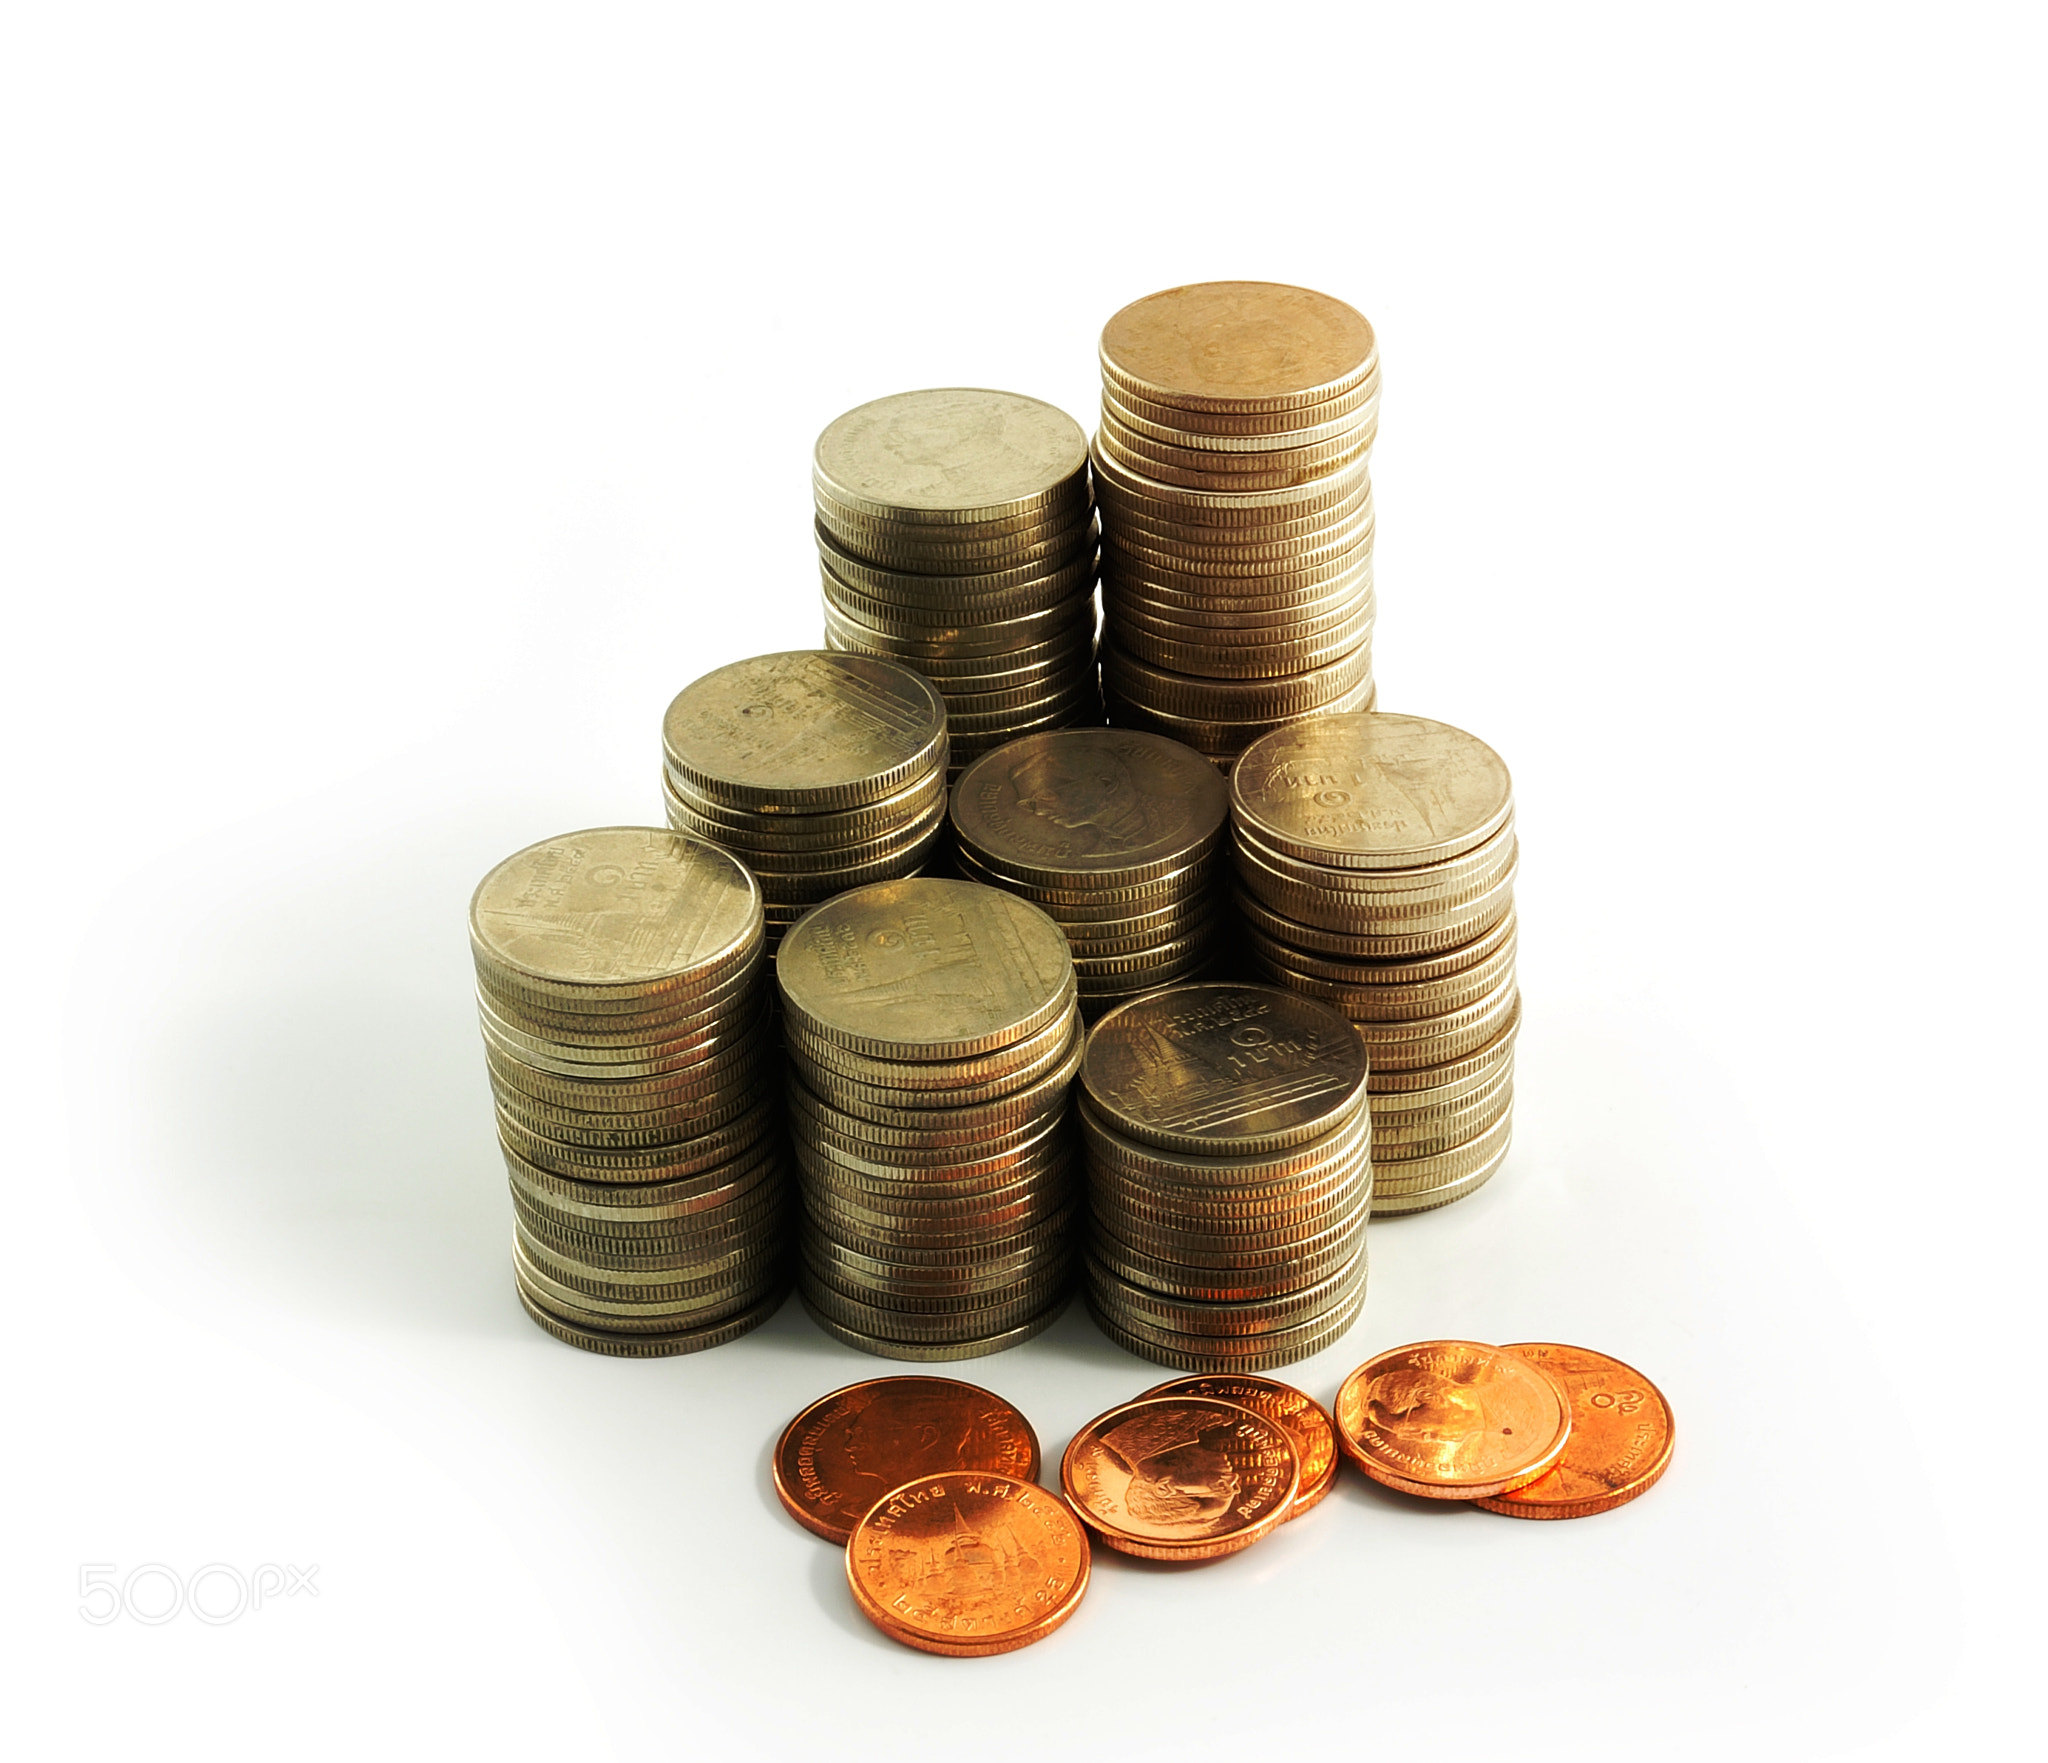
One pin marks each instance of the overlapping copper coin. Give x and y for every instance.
(1453, 1420)
(1620, 1442)
(1181, 1478)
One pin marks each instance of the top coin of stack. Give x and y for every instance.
(1237, 517)
(624, 1004)
(1117, 835)
(820, 771)
(1376, 854)
(956, 534)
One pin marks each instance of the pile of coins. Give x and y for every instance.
(932, 1033)
(1535, 1430)
(956, 534)
(1376, 856)
(819, 771)
(1229, 1176)
(622, 990)
(1118, 835)
(1237, 516)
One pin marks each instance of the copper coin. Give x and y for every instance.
(1181, 1478)
(846, 1450)
(1306, 1421)
(1620, 1443)
(967, 1563)
(1453, 1420)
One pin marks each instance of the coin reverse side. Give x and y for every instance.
(1620, 1444)
(967, 1563)
(846, 1450)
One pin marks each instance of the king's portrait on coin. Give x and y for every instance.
(1177, 1473)
(1089, 792)
(1431, 1415)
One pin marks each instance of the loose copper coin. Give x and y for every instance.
(1306, 1421)
(1620, 1443)
(1453, 1420)
(845, 1451)
(1181, 1478)
(967, 1563)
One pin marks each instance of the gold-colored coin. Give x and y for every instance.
(949, 455)
(925, 969)
(1238, 346)
(613, 913)
(805, 729)
(1372, 791)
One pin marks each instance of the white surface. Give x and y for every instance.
(397, 405)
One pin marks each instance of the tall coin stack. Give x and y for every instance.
(932, 1034)
(956, 534)
(1237, 517)
(1117, 835)
(1376, 856)
(1229, 1157)
(819, 771)
(623, 993)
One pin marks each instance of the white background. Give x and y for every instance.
(399, 404)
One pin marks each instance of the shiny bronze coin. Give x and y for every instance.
(1453, 1420)
(1181, 1478)
(845, 1451)
(967, 1564)
(1620, 1442)
(1306, 1423)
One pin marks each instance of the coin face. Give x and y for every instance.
(1089, 801)
(1452, 1420)
(1620, 1443)
(830, 730)
(1371, 790)
(846, 1450)
(967, 1563)
(955, 450)
(1250, 344)
(1181, 1478)
(616, 906)
(1224, 1069)
(925, 969)
(1315, 1439)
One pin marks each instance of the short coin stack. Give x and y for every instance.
(1229, 1176)
(1237, 516)
(622, 988)
(819, 771)
(956, 534)
(932, 1034)
(1376, 854)
(1118, 835)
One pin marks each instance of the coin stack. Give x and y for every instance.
(956, 534)
(1229, 1176)
(1237, 518)
(623, 992)
(932, 1034)
(819, 771)
(1118, 835)
(1376, 859)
